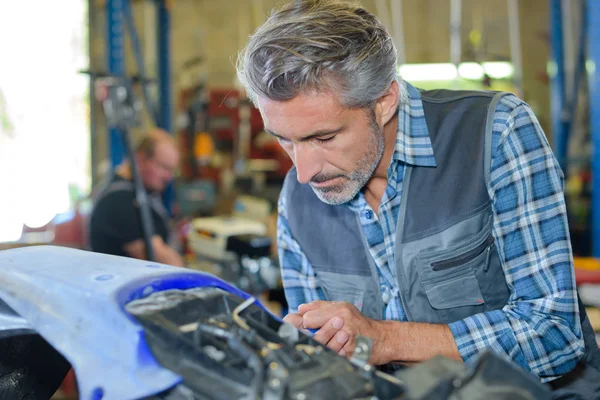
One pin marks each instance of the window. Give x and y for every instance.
(44, 112)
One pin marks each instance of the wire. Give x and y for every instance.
(236, 313)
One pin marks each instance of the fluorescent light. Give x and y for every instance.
(498, 69)
(470, 70)
(449, 72)
(428, 72)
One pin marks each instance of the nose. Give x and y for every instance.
(307, 162)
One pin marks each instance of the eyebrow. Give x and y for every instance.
(313, 135)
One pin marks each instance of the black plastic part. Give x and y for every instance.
(253, 246)
(30, 368)
(218, 358)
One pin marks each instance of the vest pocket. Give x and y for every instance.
(449, 279)
(463, 258)
(343, 287)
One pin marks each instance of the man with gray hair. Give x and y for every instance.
(432, 222)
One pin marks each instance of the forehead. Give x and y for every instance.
(166, 151)
(303, 111)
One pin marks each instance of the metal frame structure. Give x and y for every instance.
(593, 55)
(565, 90)
(163, 23)
(115, 43)
(118, 17)
(557, 86)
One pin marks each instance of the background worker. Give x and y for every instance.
(115, 224)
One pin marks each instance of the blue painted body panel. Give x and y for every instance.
(75, 300)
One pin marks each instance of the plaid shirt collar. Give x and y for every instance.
(413, 145)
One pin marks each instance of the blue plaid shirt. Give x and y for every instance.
(539, 328)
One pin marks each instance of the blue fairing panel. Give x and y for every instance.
(75, 300)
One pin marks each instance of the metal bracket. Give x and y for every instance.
(362, 352)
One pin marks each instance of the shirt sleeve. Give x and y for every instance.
(300, 283)
(539, 328)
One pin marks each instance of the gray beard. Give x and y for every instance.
(365, 167)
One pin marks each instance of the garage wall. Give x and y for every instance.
(215, 30)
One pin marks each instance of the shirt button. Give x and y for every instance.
(368, 214)
(385, 295)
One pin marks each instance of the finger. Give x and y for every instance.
(338, 341)
(328, 330)
(348, 349)
(303, 308)
(319, 317)
(294, 319)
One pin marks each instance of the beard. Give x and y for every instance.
(353, 182)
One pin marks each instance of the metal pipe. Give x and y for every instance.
(139, 60)
(514, 36)
(398, 30)
(92, 94)
(455, 32)
(116, 66)
(163, 18)
(568, 46)
(593, 23)
(163, 23)
(141, 197)
(557, 74)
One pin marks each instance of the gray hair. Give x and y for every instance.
(317, 46)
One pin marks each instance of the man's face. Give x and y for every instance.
(335, 149)
(157, 171)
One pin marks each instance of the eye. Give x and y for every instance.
(283, 140)
(325, 140)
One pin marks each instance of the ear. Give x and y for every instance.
(386, 105)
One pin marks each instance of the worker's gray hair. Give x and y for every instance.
(313, 46)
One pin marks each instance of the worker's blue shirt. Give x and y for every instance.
(538, 328)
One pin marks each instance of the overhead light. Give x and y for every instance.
(448, 72)
(470, 70)
(498, 69)
(428, 72)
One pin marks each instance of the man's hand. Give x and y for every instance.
(330, 335)
(339, 324)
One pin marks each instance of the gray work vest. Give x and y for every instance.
(447, 263)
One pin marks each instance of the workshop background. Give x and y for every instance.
(56, 145)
